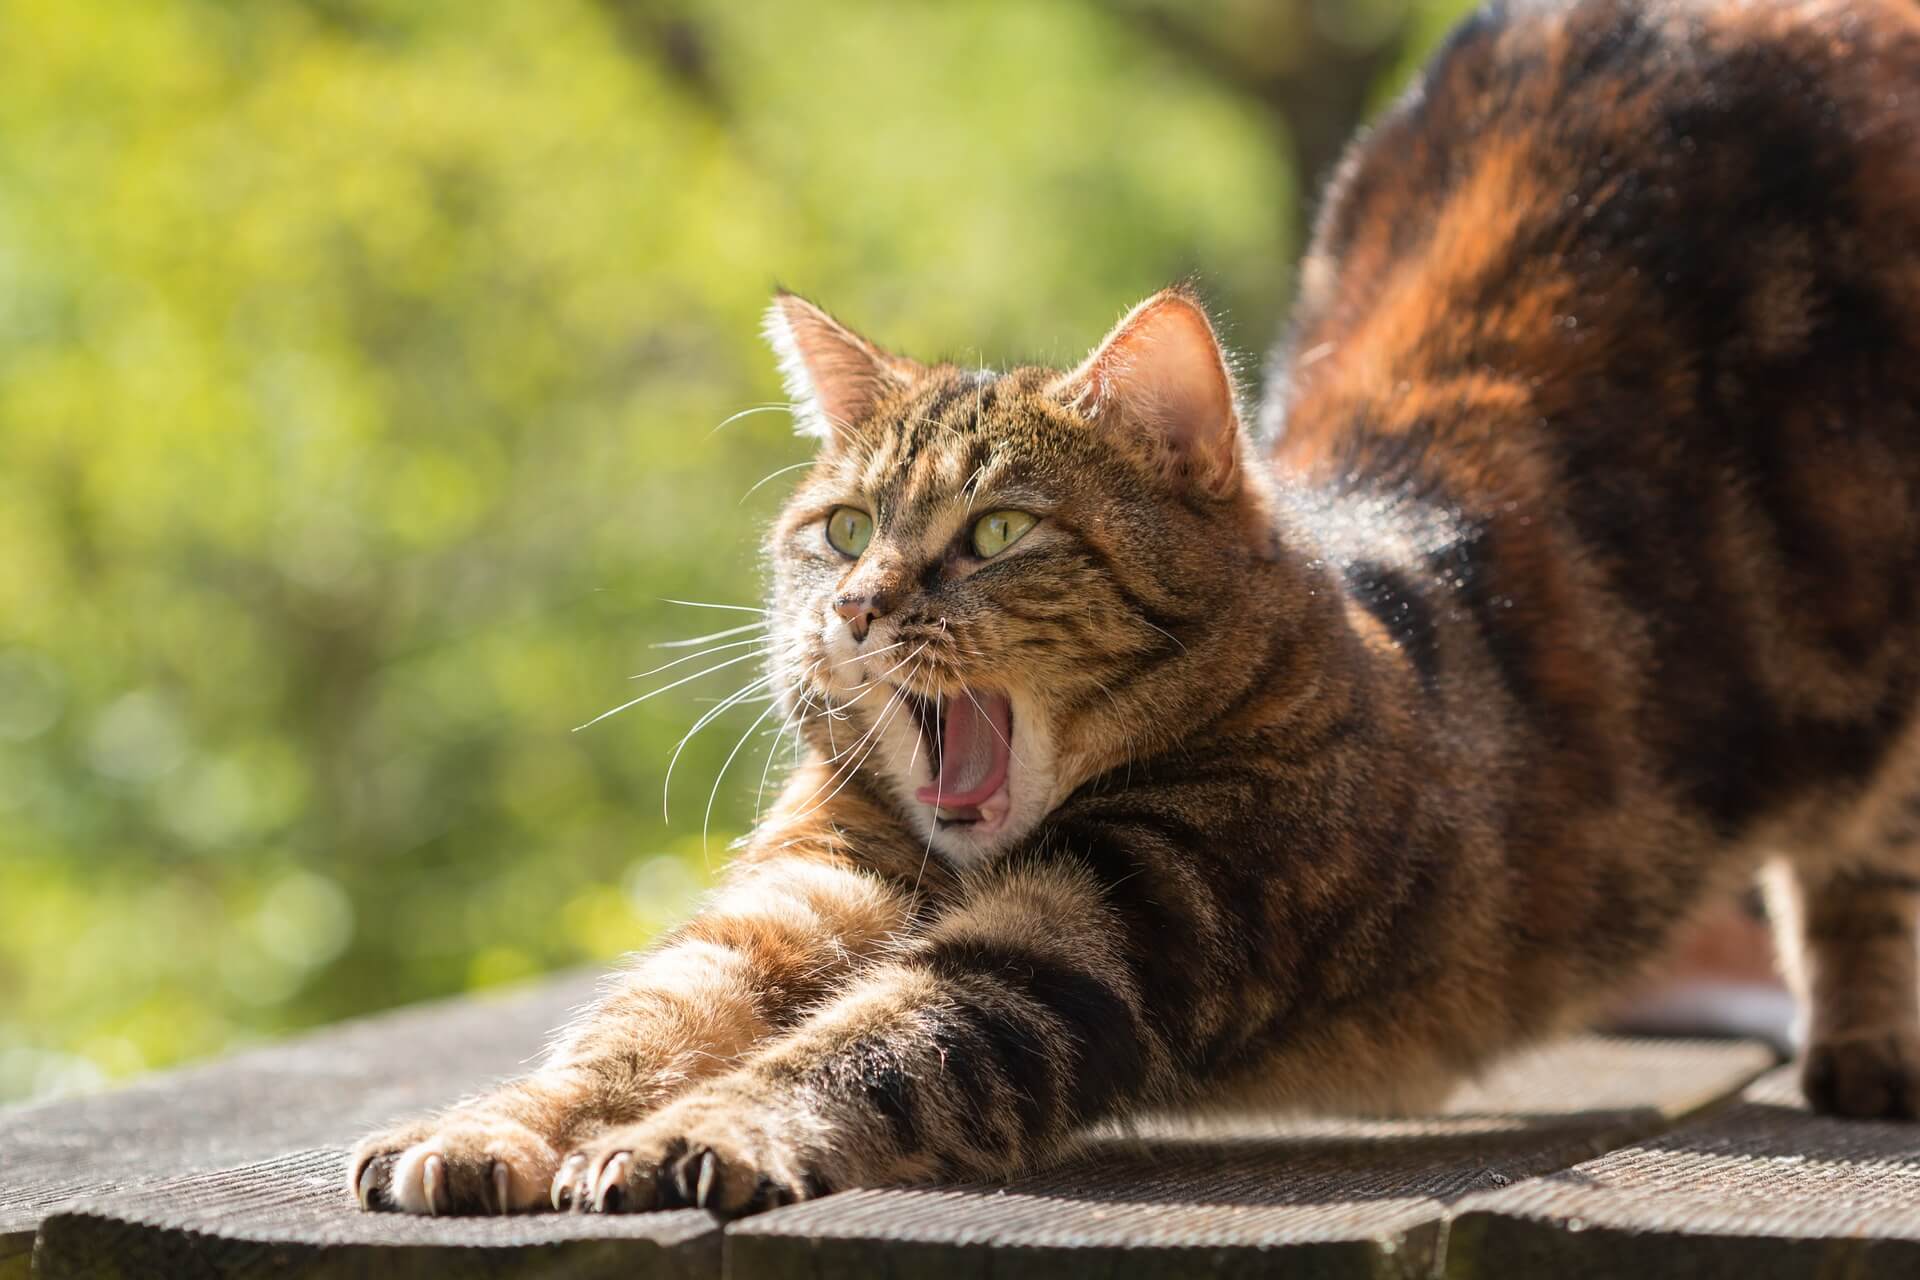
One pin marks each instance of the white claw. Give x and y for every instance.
(502, 1186)
(365, 1183)
(709, 1165)
(565, 1180)
(433, 1177)
(614, 1174)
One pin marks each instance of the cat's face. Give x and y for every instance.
(975, 579)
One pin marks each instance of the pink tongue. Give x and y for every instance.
(973, 752)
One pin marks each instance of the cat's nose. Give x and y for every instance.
(862, 610)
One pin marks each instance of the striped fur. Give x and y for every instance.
(1571, 580)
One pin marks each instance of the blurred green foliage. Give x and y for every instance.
(360, 365)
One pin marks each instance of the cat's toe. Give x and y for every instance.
(569, 1189)
(477, 1166)
(607, 1179)
(727, 1164)
(1873, 1076)
(733, 1183)
(614, 1175)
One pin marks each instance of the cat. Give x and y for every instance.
(1153, 757)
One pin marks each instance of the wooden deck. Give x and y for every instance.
(1598, 1157)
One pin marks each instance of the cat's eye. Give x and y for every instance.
(849, 530)
(998, 530)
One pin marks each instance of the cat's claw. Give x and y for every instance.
(433, 1183)
(502, 1188)
(567, 1192)
(370, 1179)
(610, 1185)
(717, 1158)
(466, 1165)
(709, 1165)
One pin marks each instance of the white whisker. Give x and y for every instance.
(800, 704)
(748, 413)
(731, 700)
(914, 759)
(706, 823)
(885, 707)
(971, 489)
(861, 741)
(894, 702)
(859, 656)
(996, 728)
(742, 629)
(933, 818)
(771, 475)
(1168, 634)
(890, 670)
(704, 653)
(634, 702)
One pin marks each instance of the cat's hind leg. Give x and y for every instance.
(1846, 928)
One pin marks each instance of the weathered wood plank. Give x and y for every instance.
(299, 1093)
(306, 1092)
(236, 1168)
(233, 1169)
(317, 1090)
(290, 1216)
(1761, 1188)
(1325, 1198)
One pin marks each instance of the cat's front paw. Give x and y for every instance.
(459, 1164)
(1869, 1076)
(698, 1153)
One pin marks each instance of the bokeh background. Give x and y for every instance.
(362, 372)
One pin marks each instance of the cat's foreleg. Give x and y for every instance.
(785, 927)
(1848, 932)
(976, 1053)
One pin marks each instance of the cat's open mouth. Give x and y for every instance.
(969, 746)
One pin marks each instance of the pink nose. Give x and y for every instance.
(862, 611)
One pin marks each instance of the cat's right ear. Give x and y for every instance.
(834, 376)
(1161, 379)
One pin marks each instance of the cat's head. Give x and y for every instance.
(991, 587)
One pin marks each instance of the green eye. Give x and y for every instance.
(998, 530)
(849, 529)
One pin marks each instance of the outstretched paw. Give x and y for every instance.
(1872, 1076)
(695, 1154)
(455, 1164)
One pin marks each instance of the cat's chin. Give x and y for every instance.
(977, 822)
(981, 819)
(966, 840)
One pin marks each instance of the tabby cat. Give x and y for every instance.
(1569, 576)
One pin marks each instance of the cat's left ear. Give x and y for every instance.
(1161, 376)
(834, 376)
